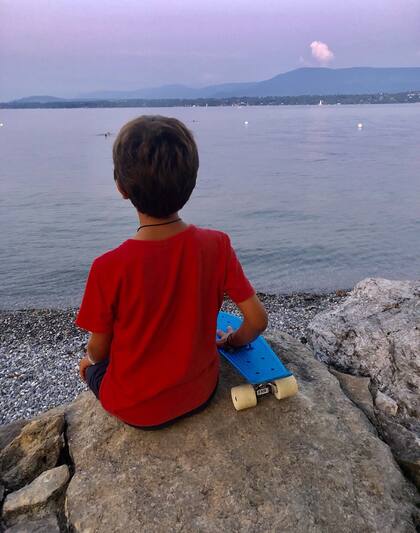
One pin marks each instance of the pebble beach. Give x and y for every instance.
(40, 349)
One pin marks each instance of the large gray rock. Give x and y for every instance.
(36, 448)
(309, 463)
(375, 332)
(37, 496)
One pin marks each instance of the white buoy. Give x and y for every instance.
(246, 123)
(360, 126)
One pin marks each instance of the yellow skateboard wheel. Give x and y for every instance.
(243, 397)
(286, 387)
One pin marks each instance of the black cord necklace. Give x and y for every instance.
(161, 224)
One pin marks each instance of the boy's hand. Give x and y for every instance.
(224, 335)
(84, 363)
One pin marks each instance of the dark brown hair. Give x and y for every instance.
(156, 164)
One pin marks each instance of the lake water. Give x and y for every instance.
(311, 202)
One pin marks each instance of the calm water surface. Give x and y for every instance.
(311, 202)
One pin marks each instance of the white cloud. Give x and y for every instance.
(321, 52)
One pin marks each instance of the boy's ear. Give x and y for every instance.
(121, 190)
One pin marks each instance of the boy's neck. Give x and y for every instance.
(147, 219)
(159, 232)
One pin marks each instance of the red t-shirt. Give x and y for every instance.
(160, 299)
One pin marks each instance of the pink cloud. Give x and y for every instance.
(321, 52)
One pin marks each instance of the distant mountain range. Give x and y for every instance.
(41, 99)
(299, 82)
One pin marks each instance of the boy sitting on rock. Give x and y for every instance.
(151, 304)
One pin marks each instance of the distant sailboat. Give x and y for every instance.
(320, 102)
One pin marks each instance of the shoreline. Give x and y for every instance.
(60, 305)
(40, 348)
(380, 98)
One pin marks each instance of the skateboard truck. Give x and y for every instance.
(266, 388)
(263, 389)
(244, 396)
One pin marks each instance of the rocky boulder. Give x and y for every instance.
(375, 333)
(30, 449)
(309, 463)
(39, 497)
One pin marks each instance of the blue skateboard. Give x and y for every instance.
(259, 365)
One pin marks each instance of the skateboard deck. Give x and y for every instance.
(258, 364)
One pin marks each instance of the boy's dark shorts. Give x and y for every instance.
(95, 373)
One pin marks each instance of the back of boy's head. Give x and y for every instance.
(156, 164)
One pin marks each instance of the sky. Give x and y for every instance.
(71, 47)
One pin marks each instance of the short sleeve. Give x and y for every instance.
(96, 310)
(237, 285)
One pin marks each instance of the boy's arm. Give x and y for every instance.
(254, 323)
(240, 290)
(98, 346)
(96, 315)
(97, 349)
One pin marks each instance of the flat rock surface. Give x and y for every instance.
(311, 463)
(34, 449)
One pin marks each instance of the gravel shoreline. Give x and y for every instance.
(40, 349)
